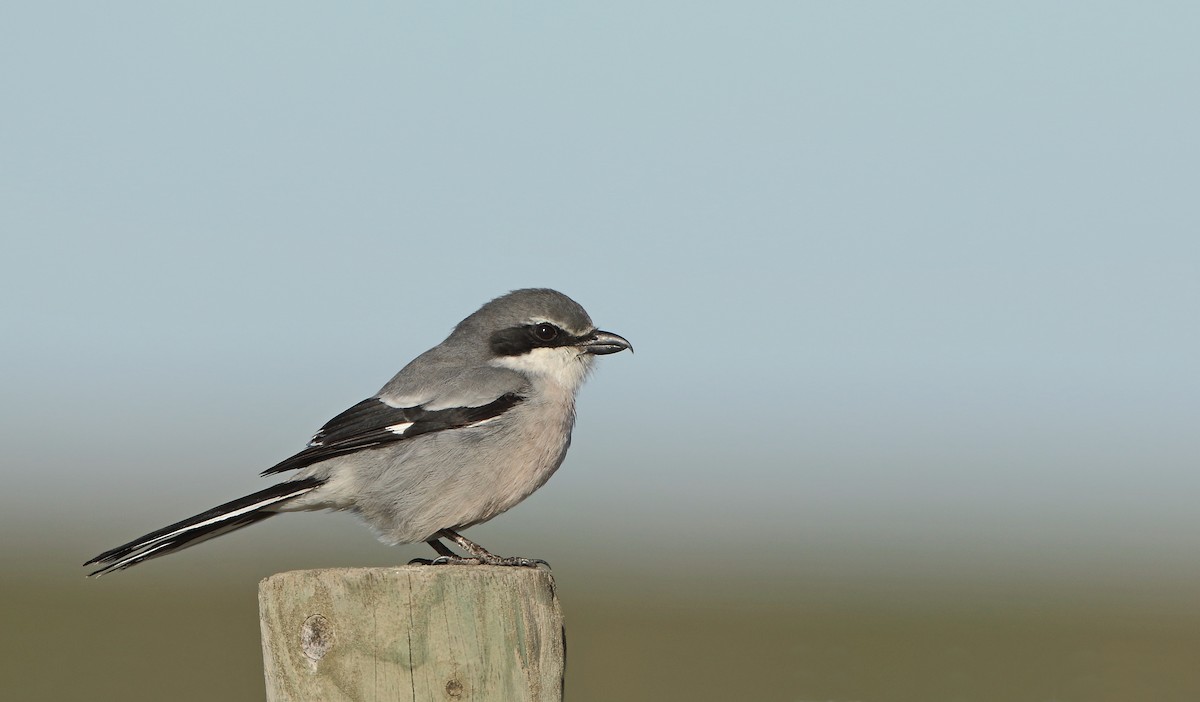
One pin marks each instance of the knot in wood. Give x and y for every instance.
(316, 636)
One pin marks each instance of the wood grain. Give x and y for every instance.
(412, 633)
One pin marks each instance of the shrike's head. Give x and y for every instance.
(541, 333)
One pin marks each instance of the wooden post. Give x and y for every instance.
(412, 633)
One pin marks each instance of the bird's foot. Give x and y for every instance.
(490, 559)
(479, 555)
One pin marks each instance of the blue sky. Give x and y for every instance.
(896, 275)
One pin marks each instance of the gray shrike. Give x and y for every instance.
(465, 431)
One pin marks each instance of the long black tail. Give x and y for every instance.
(206, 525)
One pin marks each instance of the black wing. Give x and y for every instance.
(373, 423)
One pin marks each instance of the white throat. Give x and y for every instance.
(564, 366)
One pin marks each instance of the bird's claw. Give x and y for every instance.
(513, 561)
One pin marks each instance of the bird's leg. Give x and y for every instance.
(443, 552)
(441, 548)
(479, 555)
(468, 545)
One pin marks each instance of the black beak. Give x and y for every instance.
(601, 343)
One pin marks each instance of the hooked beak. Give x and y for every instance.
(601, 343)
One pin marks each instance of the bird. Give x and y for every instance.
(464, 432)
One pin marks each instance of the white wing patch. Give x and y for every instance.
(482, 422)
(399, 428)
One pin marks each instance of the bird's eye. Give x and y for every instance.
(545, 332)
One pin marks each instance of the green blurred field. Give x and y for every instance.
(144, 636)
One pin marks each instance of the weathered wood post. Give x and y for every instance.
(412, 633)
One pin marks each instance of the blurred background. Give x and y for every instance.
(913, 289)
